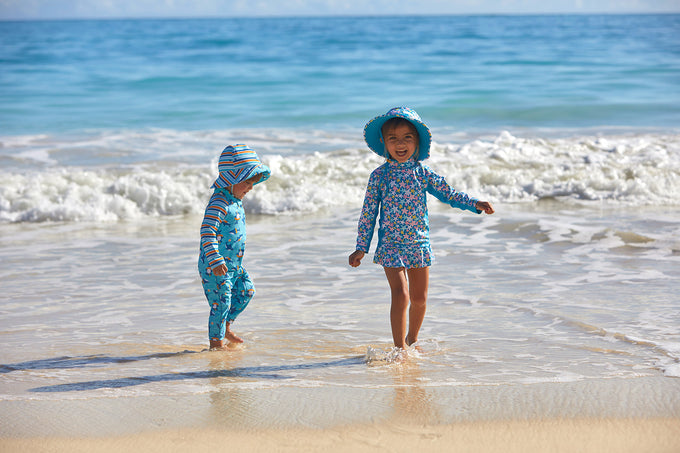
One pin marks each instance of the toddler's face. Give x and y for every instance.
(241, 189)
(401, 142)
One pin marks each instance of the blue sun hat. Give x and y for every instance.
(373, 131)
(238, 163)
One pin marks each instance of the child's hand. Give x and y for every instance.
(355, 258)
(485, 206)
(220, 270)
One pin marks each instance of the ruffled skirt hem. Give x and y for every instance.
(407, 256)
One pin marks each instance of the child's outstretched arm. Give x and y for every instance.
(437, 186)
(485, 206)
(355, 258)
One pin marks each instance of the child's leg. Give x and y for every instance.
(217, 321)
(217, 290)
(407, 285)
(241, 294)
(418, 282)
(397, 279)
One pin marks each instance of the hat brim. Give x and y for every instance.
(263, 170)
(259, 169)
(373, 135)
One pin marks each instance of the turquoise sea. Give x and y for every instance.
(467, 73)
(562, 304)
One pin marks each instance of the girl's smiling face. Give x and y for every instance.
(401, 141)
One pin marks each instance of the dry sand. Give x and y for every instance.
(554, 436)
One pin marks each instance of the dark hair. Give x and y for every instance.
(395, 122)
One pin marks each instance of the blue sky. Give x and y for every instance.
(59, 9)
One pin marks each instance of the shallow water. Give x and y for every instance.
(533, 294)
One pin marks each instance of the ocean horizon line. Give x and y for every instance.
(339, 16)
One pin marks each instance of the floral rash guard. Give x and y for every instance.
(398, 191)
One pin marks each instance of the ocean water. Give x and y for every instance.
(466, 73)
(109, 137)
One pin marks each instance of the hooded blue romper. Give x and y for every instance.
(223, 241)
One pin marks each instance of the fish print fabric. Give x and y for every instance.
(223, 241)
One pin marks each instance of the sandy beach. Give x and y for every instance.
(570, 435)
(588, 416)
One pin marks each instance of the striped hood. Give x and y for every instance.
(238, 163)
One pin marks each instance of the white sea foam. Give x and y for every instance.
(672, 370)
(123, 176)
(636, 169)
(76, 194)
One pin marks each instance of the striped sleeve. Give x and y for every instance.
(215, 213)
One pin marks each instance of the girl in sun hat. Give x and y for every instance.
(396, 193)
(374, 137)
(226, 283)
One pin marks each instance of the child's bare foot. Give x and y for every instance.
(411, 343)
(232, 337)
(217, 345)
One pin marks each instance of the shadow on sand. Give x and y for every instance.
(261, 372)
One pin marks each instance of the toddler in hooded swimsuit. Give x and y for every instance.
(226, 283)
(397, 192)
